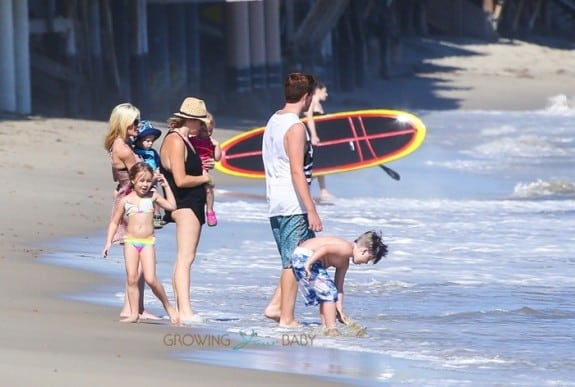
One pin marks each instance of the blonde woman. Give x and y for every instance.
(123, 126)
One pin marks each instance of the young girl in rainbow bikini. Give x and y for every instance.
(139, 241)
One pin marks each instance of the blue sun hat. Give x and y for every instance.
(145, 129)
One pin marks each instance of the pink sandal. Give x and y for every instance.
(212, 220)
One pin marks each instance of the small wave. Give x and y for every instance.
(550, 314)
(546, 189)
(462, 359)
(560, 104)
(521, 146)
(504, 129)
(476, 361)
(523, 311)
(466, 165)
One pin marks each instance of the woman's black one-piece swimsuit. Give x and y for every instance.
(193, 197)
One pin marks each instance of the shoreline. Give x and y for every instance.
(58, 185)
(466, 74)
(213, 343)
(50, 339)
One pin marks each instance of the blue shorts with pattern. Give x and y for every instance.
(288, 232)
(319, 287)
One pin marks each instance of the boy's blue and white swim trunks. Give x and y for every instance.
(319, 287)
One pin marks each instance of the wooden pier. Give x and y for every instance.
(79, 58)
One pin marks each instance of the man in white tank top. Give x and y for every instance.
(288, 157)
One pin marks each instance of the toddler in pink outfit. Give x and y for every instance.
(208, 148)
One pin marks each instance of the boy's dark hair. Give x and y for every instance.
(298, 84)
(374, 244)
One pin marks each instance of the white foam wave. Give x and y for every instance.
(478, 361)
(560, 104)
(465, 165)
(504, 129)
(542, 188)
(448, 362)
(523, 146)
(242, 211)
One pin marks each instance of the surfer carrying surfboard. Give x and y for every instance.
(316, 109)
(287, 156)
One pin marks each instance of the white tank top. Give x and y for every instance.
(280, 193)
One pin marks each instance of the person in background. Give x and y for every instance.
(316, 109)
(288, 160)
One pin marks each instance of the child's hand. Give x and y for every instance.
(341, 317)
(307, 271)
(106, 250)
(206, 174)
(208, 163)
(161, 179)
(214, 141)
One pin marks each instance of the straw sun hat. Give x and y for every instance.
(193, 108)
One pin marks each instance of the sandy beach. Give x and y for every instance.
(58, 184)
(470, 75)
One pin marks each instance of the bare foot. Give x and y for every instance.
(272, 314)
(331, 331)
(125, 312)
(144, 315)
(148, 316)
(130, 319)
(326, 195)
(291, 324)
(174, 316)
(190, 319)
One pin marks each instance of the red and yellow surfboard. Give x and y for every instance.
(349, 141)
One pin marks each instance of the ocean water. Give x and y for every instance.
(477, 289)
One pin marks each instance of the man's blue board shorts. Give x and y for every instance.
(289, 231)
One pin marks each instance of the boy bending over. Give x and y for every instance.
(313, 256)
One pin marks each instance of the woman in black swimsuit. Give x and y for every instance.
(186, 176)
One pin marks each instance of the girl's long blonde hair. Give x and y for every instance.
(122, 116)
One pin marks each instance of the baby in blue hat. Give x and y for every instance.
(143, 144)
(143, 147)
